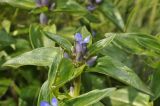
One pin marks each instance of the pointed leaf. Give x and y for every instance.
(45, 93)
(99, 45)
(90, 97)
(60, 40)
(128, 97)
(108, 66)
(40, 57)
(54, 69)
(35, 36)
(67, 72)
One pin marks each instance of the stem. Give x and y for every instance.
(77, 85)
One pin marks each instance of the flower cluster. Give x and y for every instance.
(80, 50)
(81, 46)
(54, 102)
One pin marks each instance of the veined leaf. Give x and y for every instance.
(137, 43)
(60, 40)
(45, 93)
(71, 7)
(66, 72)
(128, 97)
(54, 69)
(108, 66)
(35, 36)
(40, 57)
(90, 97)
(99, 45)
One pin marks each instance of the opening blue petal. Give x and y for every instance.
(44, 103)
(78, 37)
(54, 102)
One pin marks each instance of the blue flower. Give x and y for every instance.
(78, 38)
(54, 102)
(80, 46)
(44, 103)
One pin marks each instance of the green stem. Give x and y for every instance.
(77, 85)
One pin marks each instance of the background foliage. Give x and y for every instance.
(126, 32)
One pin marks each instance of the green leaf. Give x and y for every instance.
(53, 71)
(39, 10)
(35, 36)
(137, 43)
(128, 97)
(45, 93)
(155, 87)
(6, 24)
(90, 97)
(109, 66)
(4, 84)
(92, 18)
(71, 7)
(63, 71)
(5, 39)
(67, 72)
(27, 4)
(60, 40)
(40, 57)
(112, 14)
(99, 45)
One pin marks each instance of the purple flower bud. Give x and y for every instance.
(66, 55)
(44, 2)
(43, 19)
(38, 3)
(78, 37)
(91, 61)
(98, 1)
(93, 33)
(54, 102)
(78, 47)
(44, 103)
(84, 48)
(91, 7)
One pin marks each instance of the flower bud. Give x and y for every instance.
(45, 2)
(54, 102)
(38, 3)
(98, 1)
(91, 61)
(43, 19)
(44, 103)
(91, 7)
(66, 55)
